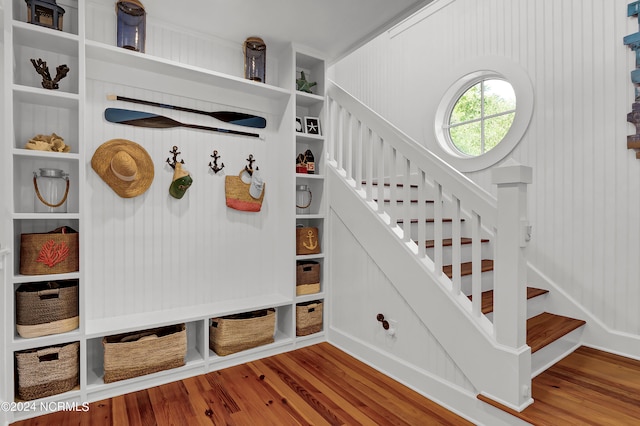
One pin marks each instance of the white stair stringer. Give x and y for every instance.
(494, 370)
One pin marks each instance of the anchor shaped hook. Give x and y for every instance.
(249, 168)
(172, 162)
(214, 166)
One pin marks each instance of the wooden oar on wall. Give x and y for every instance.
(147, 119)
(232, 117)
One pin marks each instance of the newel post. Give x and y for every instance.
(514, 231)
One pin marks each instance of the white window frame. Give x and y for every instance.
(469, 74)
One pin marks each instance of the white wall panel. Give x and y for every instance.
(155, 252)
(360, 291)
(584, 200)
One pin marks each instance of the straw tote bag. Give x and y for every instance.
(237, 194)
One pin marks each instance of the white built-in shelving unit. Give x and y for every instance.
(313, 105)
(154, 260)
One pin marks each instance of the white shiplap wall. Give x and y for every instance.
(153, 252)
(585, 197)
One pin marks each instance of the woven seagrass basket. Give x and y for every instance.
(307, 277)
(144, 352)
(47, 308)
(309, 317)
(235, 333)
(55, 252)
(47, 371)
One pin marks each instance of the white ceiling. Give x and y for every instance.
(332, 27)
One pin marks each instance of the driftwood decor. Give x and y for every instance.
(42, 69)
(633, 41)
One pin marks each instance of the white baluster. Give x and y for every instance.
(393, 186)
(358, 155)
(406, 210)
(349, 145)
(422, 214)
(456, 236)
(476, 267)
(437, 223)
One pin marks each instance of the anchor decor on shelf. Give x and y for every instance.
(307, 241)
(42, 69)
(633, 42)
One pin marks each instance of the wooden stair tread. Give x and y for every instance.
(487, 298)
(386, 200)
(429, 220)
(387, 184)
(546, 328)
(447, 242)
(466, 268)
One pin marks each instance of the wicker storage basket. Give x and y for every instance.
(47, 308)
(307, 241)
(307, 277)
(47, 371)
(309, 317)
(235, 333)
(55, 252)
(144, 352)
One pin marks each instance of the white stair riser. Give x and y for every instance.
(554, 352)
(398, 210)
(465, 253)
(447, 229)
(487, 282)
(535, 306)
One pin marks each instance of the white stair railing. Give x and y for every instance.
(371, 155)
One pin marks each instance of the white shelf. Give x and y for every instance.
(144, 62)
(309, 176)
(46, 216)
(64, 156)
(21, 343)
(304, 99)
(141, 321)
(46, 39)
(20, 279)
(45, 97)
(307, 137)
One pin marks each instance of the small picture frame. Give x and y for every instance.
(299, 125)
(312, 125)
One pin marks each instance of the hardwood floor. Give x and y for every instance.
(589, 387)
(316, 385)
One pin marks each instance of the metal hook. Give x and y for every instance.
(172, 162)
(249, 168)
(214, 166)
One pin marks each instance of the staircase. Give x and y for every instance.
(543, 328)
(468, 245)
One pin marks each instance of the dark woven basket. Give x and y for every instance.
(235, 333)
(47, 371)
(47, 308)
(144, 352)
(307, 277)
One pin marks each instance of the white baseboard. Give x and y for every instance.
(452, 397)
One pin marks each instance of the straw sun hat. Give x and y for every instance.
(125, 166)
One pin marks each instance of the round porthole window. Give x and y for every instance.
(484, 115)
